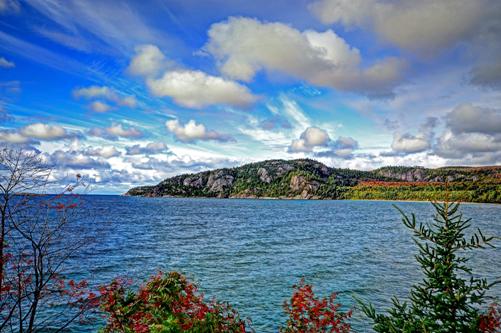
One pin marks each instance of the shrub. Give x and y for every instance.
(167, 303)
(450, 296)
(309, 314)
(491, 321)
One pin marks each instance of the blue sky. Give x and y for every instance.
(130, 92)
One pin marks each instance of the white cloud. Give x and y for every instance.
(243, 46)
(196, 89)
(106, 152)
(472, 133)
(75, 160)
(409, 144)
(406, 143)
(98, 106)
(13, 137)
(6, 63)
(311, 137)
(119, 130)
(189, 88)
(287, 119)
(34, 132)
(115, 131)
(93, 92)
(342, 147)
(107, 93)
(314, 136)
(316, 141)
(150, 149)
(461, 145)
(44, 132)
(425, 26)
(293, 111)
(129, 101)
(148, 61)
(191, 131)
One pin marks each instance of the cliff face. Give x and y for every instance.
(301, 179)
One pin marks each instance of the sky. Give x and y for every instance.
(126, 93)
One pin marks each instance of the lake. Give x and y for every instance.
(250, 252)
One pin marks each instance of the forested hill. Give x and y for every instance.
(309, 179)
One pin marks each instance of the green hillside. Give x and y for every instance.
(310, 179)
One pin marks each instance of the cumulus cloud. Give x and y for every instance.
(196, 89)
(409, 144)
(311, 137)
(150, 149)
(470, 118)
(244, 46)
(106, 152)
(106, 93)
(34, 132)
(189, 88)
(191, 132)
(75, 160)
(343, 147)
(473, 132)
(471, 135)
(6, 63)
(115, 131)
(465, 145)
(316, 141)
(425, 26)
(44, 132)
(148, 61)
(14, 137)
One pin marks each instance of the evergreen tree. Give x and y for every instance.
(450, 297)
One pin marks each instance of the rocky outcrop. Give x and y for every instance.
(303, 187)
(219, 181)
(194, 181)
(412, 175)
(263, 175)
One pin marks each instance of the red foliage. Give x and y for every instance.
(491, 322)
(166, 302)
(382, 183)
(309, 314)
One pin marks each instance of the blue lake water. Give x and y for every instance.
(250, 252)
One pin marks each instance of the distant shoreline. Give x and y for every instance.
(312, 180)
(299, 199)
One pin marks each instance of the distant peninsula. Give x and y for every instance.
(310, 179)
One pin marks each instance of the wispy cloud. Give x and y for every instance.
(6, 63)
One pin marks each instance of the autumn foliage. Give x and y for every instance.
(310, 314)
(166, 303)
(491, 321)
